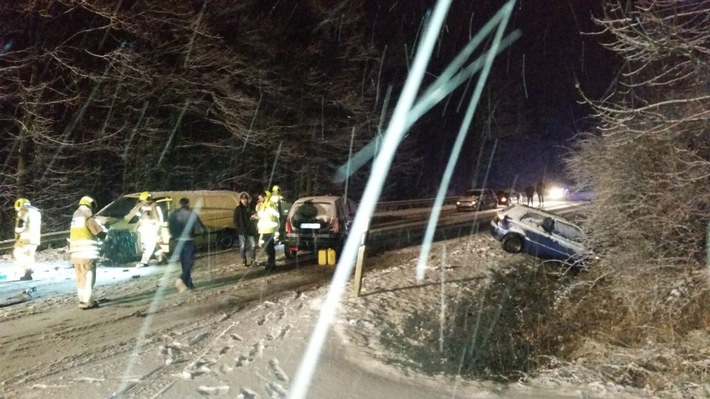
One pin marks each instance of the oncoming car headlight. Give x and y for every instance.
(556, 193)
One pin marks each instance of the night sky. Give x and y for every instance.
(530, 105)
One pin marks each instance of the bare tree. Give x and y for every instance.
(109, 97)
(649, 161)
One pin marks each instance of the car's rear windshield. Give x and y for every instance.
(119, 208)
(472, 193)
(311, 211)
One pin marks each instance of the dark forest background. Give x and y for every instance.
(102, 98)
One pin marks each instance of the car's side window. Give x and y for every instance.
(548, 224)
(533, 219)
(568, 231)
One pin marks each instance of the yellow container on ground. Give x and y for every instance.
(322, 257)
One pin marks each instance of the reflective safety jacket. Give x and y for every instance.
(268, 217)
(83, 243)
(150, 218)
(27, 226)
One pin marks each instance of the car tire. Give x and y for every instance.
(226, 239)
(513, 243)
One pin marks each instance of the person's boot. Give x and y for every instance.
(244, 261)
(90, 305)
(180, 285)
(27, 276)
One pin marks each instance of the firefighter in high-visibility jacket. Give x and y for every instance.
(84, 245)
(277, 199)
(149, 223)
(27, 237)
(268, 225)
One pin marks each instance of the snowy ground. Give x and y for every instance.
(242, 333)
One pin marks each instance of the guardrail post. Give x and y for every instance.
(357, 284)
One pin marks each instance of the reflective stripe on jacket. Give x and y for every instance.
(82, 242)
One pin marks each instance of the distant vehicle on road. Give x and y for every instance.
(524, 229)
(508, 197)
(319, 222)
(477, 199)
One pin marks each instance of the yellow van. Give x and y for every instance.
(216, 210)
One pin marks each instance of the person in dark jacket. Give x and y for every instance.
(245, 225)
(540, 188)
(183, 225)
(530, 193)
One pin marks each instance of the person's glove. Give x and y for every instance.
(276, 236)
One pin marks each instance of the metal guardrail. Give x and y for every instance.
(411, 204)
(48, 240)
(58, 239)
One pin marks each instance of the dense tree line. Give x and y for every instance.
(107, 97)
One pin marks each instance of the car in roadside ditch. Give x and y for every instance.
(521, 228)
(477, 199)
(318, 222)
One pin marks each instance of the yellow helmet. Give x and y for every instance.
(145, 196)
(20, 203)
(276, 189)
(88, 201)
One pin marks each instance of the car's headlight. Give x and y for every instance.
(556, 193)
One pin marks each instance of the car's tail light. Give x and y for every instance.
(336, 225)
(288, 225)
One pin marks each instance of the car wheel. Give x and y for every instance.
(226, 239)
(512, 243)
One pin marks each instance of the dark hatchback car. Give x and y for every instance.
(477, 199)
(319, 222)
